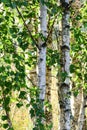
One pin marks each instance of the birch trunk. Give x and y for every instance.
(76, 100)
(81, 118)
(42, 53)
(64, 88)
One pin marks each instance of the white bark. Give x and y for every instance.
(42, 53)
(81, 113)
(64, 90)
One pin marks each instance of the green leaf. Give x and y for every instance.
(76, 93)
(7, 2)
(85, 77)
(50, 126)
(85, 24)
(28, 105)
(1, 46)
(72, 68)
(2, 69)
(32, 113)
(5, 126)
(6, 102)
(10, 129)
(42, 1)
(20, 104)
(4, 1)
(78, 17)
(64, 75)
(22, 95)
(4, 117)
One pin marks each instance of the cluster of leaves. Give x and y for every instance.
(79, 52)
(14, 43)
(36, 110)
(52, 57)
(14, 40)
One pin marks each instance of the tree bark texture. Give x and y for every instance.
(81, 118)
(42, 53)
(48, 110)
(77, 100)
(64, 88)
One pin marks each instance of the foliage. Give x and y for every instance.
(79, 51)
(14, 43)
(19, 36)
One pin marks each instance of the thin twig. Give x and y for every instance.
(29, 32)
(30, 80)
(51, 29)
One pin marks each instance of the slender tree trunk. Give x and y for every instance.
(76, 100)
(42, 53)
(48, 109)
(81, 118)
(64, 88)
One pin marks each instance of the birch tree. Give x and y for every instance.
(81, 118)
(42, 52)
(64, 88)
(79, 75)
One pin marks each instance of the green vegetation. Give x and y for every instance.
(19, 38)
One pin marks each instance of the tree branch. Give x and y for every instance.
(30, 81)
(29, 32)
(50, 31)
